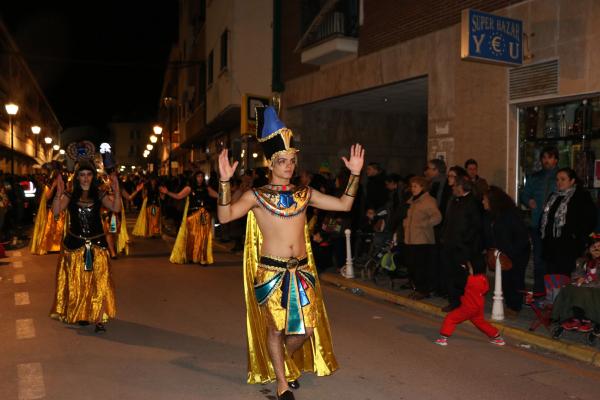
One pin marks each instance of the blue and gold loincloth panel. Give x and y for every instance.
(284, 289)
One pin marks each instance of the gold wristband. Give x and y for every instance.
(224, 193)
(352, 187)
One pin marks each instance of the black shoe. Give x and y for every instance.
(83, 323)
(294, 384)
(287, 395)
(100, 328)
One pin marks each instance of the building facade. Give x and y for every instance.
(129, 140)
(19, 86)
(390, 75)
(224, 51)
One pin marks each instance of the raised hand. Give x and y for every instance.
(163, 189)
(139, 187)
(226, 169)
(357, 159)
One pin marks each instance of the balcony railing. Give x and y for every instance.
(335, 24)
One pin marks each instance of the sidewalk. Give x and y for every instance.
(571, 344)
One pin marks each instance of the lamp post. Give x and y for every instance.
(12, 109)
(36, 131)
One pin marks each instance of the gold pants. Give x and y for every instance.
(199, 237)
(153, 220)
(83, 295)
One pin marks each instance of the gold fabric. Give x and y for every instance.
(148, 221)
(83, 295)
(140, 227)
(194, 239)
(178, 254)
(317, 353)
(272, 310)
(288, 203)
(123, 237)
(352, 187)
(40, 223)
(153, 218)
(224, 193)
(53, 233)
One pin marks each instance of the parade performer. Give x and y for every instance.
(115, 224)
(287, 325)
(48, 231)
(84, 287)
(194, 239)
(148, 221)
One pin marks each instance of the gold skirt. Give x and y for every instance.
(53, 233)
(199, 237)
(83, 295)
(153, 220)
(273, 311)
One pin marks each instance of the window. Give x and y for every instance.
(131, 150)
(224, 49)
(209, 71)
(138, 135)
(131, 134)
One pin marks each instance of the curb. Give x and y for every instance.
(574, 351)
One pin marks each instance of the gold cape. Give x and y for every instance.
(178, 254)
(317, 353)
(123, 237)
(40, 223)
(140, 223)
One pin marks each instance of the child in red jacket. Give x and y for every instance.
(471, 308)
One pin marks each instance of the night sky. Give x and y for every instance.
(97, 61)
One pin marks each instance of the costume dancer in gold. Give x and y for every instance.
(194, 239)
(148, 221)
(84, 287)
(285, 317)
(48, 231)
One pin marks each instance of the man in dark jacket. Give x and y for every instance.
(461, 238)
(539, 186)
(377, 194)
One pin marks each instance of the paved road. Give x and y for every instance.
(180, 335)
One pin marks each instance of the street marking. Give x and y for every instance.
(19, 278)
(22, 298)
(17, 264)
(31, 381)
(25, 329)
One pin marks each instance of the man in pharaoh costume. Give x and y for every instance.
(287, 326)
(84, 287)
(48, 231)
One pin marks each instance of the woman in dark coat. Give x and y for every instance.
(506, 231)
(568, 218)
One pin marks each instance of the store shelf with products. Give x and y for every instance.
(573, 127)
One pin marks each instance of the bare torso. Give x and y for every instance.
(282, 237)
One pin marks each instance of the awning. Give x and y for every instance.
(226, 120)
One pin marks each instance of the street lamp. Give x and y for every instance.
(11, 109)
(169, 102)
(36, 131)
(61, 151)
(149, 147)
(157, 129)
(153, 139)
(48, 140)
(56, 147)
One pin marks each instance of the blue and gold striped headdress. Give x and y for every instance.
(272, 134)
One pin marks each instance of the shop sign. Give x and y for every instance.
(491, 38)
(249, 104)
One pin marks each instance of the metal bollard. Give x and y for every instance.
(498, 305)
(348, 270)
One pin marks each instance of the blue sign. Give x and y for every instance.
(491, 38)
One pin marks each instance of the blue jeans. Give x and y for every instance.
(539, 267)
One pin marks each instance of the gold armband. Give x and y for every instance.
(352, 188)
(224, 193)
